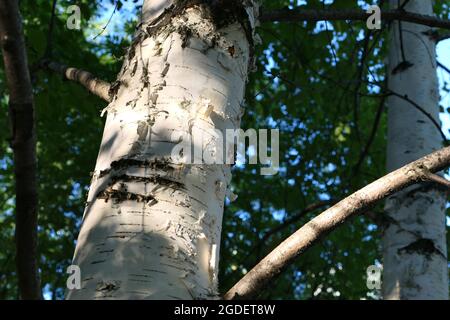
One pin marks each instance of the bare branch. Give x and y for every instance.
(443, 67)
(96, 86)
(300, 14)
(23, 143)
(308, 235)
(389, 92)
(422, 110)
(437, 179)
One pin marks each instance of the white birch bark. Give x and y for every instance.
(414, 241)
(152, 225)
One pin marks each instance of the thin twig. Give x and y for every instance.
(437, 179)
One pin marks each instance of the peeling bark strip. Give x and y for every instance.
(416, 233)
(296, 15)
(23, 143)
(152, 226)
(359, 202)
(96, 86)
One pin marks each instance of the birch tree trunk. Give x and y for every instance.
(414, 240)
(152, 225)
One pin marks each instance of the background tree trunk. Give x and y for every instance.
(23, 143)
(152, 225)
(414, 240)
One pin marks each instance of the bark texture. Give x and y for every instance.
(414, 240)
(152, 225)
(23, 143)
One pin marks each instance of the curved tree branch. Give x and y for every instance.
(422, 110)
(311, 233)
(23, 143)
(443, 67)
(300, 14)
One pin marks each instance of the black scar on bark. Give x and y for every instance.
(402, 66)
(114, 89)
(156, 179)
(422, 246)
(159, 164)
(123, 194)
(120, 195)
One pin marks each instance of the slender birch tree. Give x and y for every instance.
(414, 240)
(152, 225)
(23, 144)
